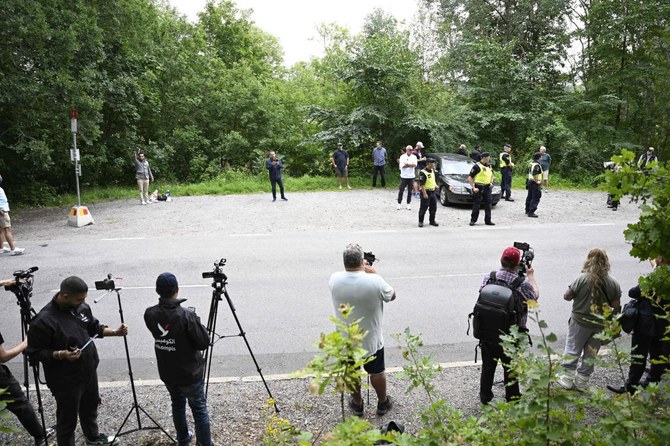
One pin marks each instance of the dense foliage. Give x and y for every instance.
(582, 77)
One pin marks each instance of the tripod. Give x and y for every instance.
(219, 284)
(23, 290)
(136, 407)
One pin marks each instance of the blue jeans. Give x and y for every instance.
(195, 394)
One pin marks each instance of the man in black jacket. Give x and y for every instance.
(61, 338)
(179, 341)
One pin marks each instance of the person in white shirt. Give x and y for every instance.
(407, 165)
(359, 287)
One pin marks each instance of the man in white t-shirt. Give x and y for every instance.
(360, 287)
(407, 164)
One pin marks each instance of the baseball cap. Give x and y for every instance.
(484, 154)
(508, 145)
(166, 284)
(419, 144)
(430, 160)
(537, 156)
(511, 254)
(650, 149)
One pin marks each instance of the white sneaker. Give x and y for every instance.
(409, 208)
(398, 207)
(143, 203)
(17, 251)
(4, 250)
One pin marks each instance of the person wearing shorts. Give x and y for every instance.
(360, 288)
(6, 226)
(340, 160)
(545, 162)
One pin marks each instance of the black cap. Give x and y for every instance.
(537, 156)
(484, 154)
(430, 160)
(166, 284)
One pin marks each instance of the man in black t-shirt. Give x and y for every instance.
(340, 160)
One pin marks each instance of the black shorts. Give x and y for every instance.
(376, 366)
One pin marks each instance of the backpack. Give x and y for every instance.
(498, 307)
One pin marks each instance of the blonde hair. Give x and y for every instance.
(597, 266)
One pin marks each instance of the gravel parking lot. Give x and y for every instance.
(238, 405)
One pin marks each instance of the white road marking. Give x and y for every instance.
(596, 224)
(437, 276)
(122, 238)
(389, 231)
(249, 235)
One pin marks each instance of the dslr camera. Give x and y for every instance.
(369, 257)
(527, 256)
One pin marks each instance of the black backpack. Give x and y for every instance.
(498, 307)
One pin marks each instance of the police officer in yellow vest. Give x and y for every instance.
(506, 166)
(481, 182)
(534, 185)
(428, 193)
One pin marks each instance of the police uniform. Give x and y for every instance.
(429, 186)
(533, 185)
(506, 175)
(482, 177)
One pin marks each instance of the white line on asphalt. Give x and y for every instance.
(254, 378)
(437, 276)
(482, 228)
(389, 231)
(122, 238)
(597, 224)
(249, 235)
(147, 287)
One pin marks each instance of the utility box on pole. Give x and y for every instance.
(79, 215)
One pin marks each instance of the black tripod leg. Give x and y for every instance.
(244, 336)
(40, 408)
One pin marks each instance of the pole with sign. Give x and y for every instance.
(79, 215)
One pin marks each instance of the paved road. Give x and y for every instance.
(278, 275)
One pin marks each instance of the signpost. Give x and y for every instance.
(79, 215)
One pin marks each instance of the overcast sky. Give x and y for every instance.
(294, 22)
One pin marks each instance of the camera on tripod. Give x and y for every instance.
(527, 256)
(107, 284)
(23, 287)
(369, 257)
(217, 273)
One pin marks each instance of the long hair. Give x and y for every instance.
(597, 266)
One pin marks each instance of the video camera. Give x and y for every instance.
(217, 273)
(107, 284)
(369, 257)
(527, 256)
(23, 289)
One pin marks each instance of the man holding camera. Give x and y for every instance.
(492, 353)
(60, 337)
(360, 287)
(179, 341)
(274, 166)
(14, 398)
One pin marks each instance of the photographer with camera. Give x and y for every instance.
(592, 289)
(360, 287)
(60, 337)
(14, 398)
(523, 289)
(180, 339)
(274, 166)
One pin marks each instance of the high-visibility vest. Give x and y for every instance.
(430, 179)
(502, 162)
(484, 176)
(537, 178)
